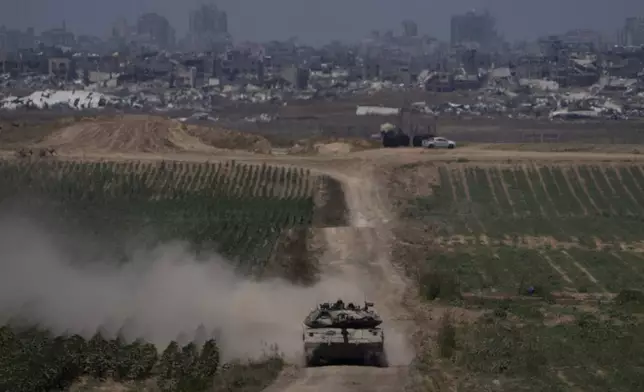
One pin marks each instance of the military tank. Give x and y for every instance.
(339, 333)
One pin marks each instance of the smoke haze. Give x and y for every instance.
(161, 294)
(317, 22)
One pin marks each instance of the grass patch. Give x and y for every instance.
(565, 201)
(538, 252)
(439, 285)
(248, 376)
(590, 353)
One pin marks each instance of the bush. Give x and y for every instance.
(499, 348)
(248, 376)
(437, 285)
(31, 359)
(446, 337)
(630, 296)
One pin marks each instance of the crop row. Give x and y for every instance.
(32, 359)
(508, 270)
(563, 201)
(156, 180)
(242, 211)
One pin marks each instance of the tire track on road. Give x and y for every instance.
(361, 253)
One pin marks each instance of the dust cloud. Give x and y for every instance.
(162, 294)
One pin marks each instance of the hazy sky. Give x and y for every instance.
(318, 21)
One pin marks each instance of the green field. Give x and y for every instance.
(241, 211)
(504, 269)
(568, 202)
(592, 213)
(514, 349)
(257, 216)
(571, 232)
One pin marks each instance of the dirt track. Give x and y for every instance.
(361, 251)
(397, 156)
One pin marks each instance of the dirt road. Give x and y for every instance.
(360, 253)
(476, 153)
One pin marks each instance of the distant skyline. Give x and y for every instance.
(318, 22)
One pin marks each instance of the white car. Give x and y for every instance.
(438, 142)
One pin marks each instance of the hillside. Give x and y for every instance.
(148, 134)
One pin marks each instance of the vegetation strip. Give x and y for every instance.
(258, 216)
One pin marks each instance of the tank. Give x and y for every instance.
(339, 333)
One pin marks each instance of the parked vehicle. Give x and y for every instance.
(438, 142)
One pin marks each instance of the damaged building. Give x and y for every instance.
(576, 74)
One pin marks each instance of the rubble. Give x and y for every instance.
(376, 110)
(75, 99)
(561, 77)
(264, 118)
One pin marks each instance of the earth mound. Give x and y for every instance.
(331, 146)
(149, 134)
(231, 140)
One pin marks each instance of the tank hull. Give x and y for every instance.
(369, 354)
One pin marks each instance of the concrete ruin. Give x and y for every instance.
(144, 66)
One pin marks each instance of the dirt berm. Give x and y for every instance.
(149, 134)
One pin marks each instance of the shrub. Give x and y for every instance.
(446, 337)
(439, 285)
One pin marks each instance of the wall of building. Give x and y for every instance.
(634, 32)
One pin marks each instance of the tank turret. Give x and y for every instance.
(341, 315)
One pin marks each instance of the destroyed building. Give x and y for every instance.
(575, 74)
(624, 62)
(240, 64)
(61, 68)
(297, 77)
